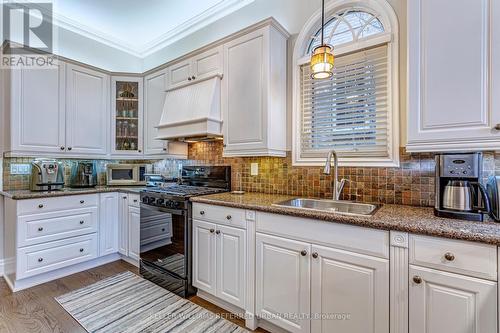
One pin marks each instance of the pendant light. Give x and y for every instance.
(322, 58)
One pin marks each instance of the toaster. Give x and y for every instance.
(493, 190)
(46, 175)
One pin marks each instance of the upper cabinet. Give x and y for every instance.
(454, 68)
(87, 110)
(126, 108)
(155, 85)
(254, 94)
(61, 112)
(198, 67)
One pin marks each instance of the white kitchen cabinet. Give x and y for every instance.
(87, 111)
(230, 264)
(204, 270)
(283, 279)
(134, 224)
(351, 285)
(155, 85)
(108, 223)
(448, 302)
(219, 261)
(254, 94)
(453, 69)
(197, 67)
(123, 224)
(37, 110)
(127, 115)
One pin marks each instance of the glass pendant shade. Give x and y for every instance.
(322, 61)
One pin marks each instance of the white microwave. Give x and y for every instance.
(126, 174)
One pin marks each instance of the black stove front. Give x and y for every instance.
(166, 227)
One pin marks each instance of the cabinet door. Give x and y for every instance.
(179, 74)
(154, 99)
(446, 302)
(87, 111)
(352, 286)
(134, 224)
(244, 92)
(283, 281)
(108, 223)
(38, 110)
(204, 270)
(127, 115)
(449, 103)
(207, 63)
(123, 225)
(230, 264)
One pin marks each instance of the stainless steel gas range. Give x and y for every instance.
(166, 226)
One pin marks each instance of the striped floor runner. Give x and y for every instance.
(129, 303)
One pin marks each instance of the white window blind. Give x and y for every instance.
(348, 112)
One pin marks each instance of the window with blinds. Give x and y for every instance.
(348, 112)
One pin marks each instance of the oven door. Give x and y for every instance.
(164, 236)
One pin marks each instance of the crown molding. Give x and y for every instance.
(212, 14)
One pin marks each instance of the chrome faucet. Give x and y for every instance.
(337, 186)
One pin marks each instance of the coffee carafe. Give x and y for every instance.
(459, 193)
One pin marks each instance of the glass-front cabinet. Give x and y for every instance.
(127, 106)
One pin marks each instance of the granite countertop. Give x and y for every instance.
(418, 220)
(27, 194)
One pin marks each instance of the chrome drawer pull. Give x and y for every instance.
(40, 259)
(40, 229)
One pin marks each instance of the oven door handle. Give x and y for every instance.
(163, 209)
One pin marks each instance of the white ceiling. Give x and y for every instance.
(140, 27)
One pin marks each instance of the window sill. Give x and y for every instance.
(350, 162)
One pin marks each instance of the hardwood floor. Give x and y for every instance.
(35, 310)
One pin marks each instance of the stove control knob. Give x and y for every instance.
(145, 200)
(160, 201)
(151, 201)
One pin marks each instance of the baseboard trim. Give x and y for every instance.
(6, 266)
(129, 260)
(17, 285)
(221, 303)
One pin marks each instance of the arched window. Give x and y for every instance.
(356, 111)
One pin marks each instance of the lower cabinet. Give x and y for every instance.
(303, 287)
(134, 221)
(219, 261)
(447, 302)
(123, 225)
(108, 223)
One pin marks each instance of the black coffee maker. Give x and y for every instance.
(459, 192)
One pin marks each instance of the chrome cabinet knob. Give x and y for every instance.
(449, 256)
(162, 229)
(218, 232)
(82, 222)
(81, 250)
(40, 206)
(193, 77)
(189, 79)
(40, 229)
(497, 127)
(229, 217)
(69, 148)
(303, 253)
(202, 212)
(82, 201)
(212, 231)
(62, 147)
(40, 259)
(417, 279)
(164, 149)
(135, 200)
(315, 255)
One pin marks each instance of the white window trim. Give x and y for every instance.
(387, 16)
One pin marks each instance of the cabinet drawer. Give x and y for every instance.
(220, 214)
(43, 205)
(47, 227)
(134, 200)
(47, 257)
(478, 260)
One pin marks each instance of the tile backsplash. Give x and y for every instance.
(410, 184)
